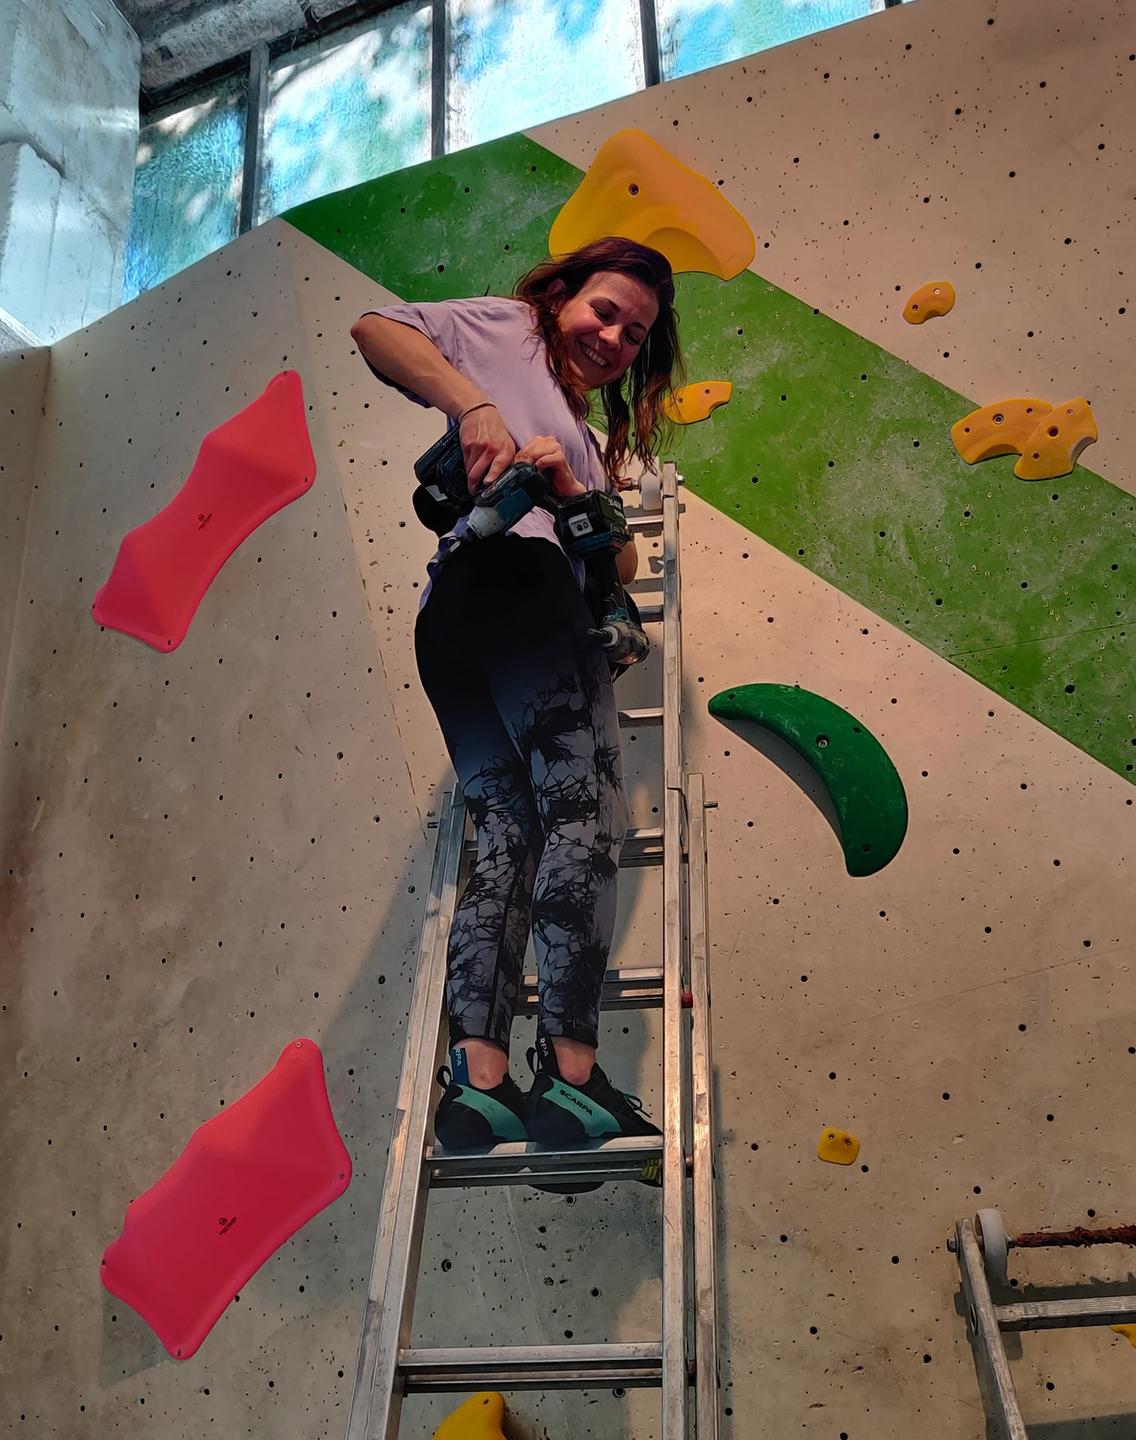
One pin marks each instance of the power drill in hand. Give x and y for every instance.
(443, 502)
(591, 527)
(498, 507)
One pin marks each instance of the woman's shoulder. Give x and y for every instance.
(504, 307)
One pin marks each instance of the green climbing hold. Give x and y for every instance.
(852, 764)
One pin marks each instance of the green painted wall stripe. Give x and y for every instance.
(831, 449)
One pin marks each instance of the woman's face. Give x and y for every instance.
(604, 325)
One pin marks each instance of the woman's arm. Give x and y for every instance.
(626, 563)
(411, 360)
(406, 356)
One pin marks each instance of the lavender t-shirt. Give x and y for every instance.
(490, 341)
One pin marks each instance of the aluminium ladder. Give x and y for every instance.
(685, 1354)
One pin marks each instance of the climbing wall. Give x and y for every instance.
(213, 851)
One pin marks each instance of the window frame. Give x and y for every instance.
(255, 63)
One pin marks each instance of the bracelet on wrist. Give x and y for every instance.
(469, 409)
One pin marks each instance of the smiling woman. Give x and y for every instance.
(509, 658)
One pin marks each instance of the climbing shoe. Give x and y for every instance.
(558, 1113)
(472, 1119)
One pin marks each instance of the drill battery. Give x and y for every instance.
(591, 523)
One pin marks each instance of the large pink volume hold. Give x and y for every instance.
(246, 470)
(248, 1179)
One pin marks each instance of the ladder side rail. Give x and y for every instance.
(674, 1259)
(990, 1353)
(376, 1401)
(672, 635)
(707, 1399)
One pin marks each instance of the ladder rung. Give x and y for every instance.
(651, 612)
(650, 715)
(641, 846)
(521, 1162)
(645, 524)
(625, 989)
(531, 1367)
(1067, 1314)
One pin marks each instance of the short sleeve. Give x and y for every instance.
(435, 320)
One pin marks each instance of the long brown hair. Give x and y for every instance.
(657, 368)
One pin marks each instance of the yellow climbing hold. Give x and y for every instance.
(480, 1418)
(999, 429)
(695, 402)
(837, 1147)
(636, 189)
(1056, 442)
(1128, 1331)
(935, 298)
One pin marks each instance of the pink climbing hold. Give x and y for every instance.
(248, 1179)
(247, 469)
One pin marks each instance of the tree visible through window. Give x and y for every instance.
(348, 109)
(518, 63)
(187, 188)
(695, 34)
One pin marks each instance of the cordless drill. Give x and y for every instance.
(591, 526)
(442, 499)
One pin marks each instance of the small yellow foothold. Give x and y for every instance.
(937, 297)
(837, 1147)
(480, 1418)
(695, 402)
(1053, 447)
(998, 429)
(1128, 1331)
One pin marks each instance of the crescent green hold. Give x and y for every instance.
(852, 764)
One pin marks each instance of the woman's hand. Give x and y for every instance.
(487, 447)
(548, 456)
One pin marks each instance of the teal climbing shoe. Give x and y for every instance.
(471, 1119)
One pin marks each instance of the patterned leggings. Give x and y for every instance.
(525, 702)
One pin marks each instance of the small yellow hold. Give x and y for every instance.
(1002, 428)
(480, 1418)
(837, 1147)
(1128, 1331)
(1053, 447)
(695, 402)
(935, 298)
(636, 189)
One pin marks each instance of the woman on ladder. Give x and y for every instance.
(522, 692)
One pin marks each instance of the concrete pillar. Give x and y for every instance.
(69, 75)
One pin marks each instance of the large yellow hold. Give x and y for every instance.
(999, 429)
(480, 1418)
(636, 189)
(1056, 442)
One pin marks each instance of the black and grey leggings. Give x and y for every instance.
(525, 702)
